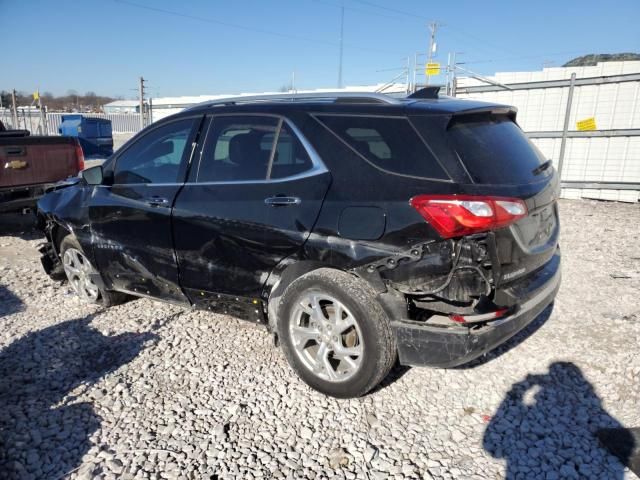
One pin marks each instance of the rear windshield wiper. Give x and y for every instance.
(542, 167)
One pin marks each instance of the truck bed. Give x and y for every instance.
(28, 165)
(37, 160)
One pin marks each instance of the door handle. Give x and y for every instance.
(282, 201)
(156, 201)
(15, 151)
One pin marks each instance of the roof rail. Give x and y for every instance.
(336, 97)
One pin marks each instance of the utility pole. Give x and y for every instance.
(14, 109)
(565, 129)
(408, 80)
(341, 46)
(448, 81)
(141, 103)
(433, 26)
(454, 71)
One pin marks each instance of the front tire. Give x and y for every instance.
(78, 270)
(335, 334)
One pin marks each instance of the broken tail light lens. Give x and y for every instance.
(79, 156)
(458, 215)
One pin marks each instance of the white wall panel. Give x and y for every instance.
(614, 106)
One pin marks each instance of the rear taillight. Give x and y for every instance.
(458, 215)
(79, 156)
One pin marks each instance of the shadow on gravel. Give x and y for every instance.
(396, 373)
(19, 225)
(40, 437)
(546, 427)
(9, 302)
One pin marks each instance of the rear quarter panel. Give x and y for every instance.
(358, 184)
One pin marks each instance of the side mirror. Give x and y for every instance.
(93, 175)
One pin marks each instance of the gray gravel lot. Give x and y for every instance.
(148, 390)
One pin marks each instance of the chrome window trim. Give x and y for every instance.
(274, 146)
(318, 166)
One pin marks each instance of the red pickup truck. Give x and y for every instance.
(29, 165)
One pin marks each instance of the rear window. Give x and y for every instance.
(389, 143)
(494, 150)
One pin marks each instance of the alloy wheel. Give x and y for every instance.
(78, 270)
(326, 337)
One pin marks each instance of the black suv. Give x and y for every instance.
(359, 228)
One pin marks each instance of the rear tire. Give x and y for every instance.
(78, 269)
(335, 334)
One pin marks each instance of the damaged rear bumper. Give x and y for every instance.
(437, 346)
(14, 199)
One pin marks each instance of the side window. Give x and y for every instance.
(291, 157)
(237, 148)
(156, 157)
(389, 143)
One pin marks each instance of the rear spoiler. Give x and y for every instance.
(505, 110)
(426, 92)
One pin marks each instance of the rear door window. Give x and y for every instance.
(389, 143)
(494, 150)
(237, 148)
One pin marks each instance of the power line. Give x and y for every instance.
(457, 31)
(359, 10)
(451, 29)
(394, 10)
(422, 18)
(246, 28)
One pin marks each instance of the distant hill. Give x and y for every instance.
(593, 58)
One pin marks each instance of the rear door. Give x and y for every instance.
(131, 219)
(251, 200)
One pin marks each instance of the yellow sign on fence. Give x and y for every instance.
(586, 124)
(432, 69)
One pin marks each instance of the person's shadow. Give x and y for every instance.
(10, 302)
(546, 427)
(43, 433)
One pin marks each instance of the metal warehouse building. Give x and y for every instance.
(603, 163)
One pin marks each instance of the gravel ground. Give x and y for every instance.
(148, 390)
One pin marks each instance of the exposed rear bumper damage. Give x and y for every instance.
(17, 198)
(449, 346)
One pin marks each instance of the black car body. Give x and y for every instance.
(440, 209)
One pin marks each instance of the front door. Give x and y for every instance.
(251, 200)
(131, 219)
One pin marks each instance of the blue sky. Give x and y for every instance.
(195, 47)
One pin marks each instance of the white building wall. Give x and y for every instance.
(614, 106)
